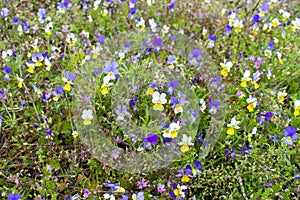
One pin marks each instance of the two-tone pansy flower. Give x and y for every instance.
(185, 143)
(58, 91)
(37, 58)
(6, 55)
(211, 41)
(290, 135)
(213, 106)
(122, 113)
(150, 140)
(172, 130)
(252, 102)
(111, 69)
(71, 39)
(245, 78)
(226, 66)
(297, 107)
(232, 126)
(159, 100)
(68, 80)
(87, 116)
(281, 96)
(178, 192)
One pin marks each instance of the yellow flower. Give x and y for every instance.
(158, 100)
(281, 95)
(251, 103)
(275, 22)
(232, 126)
(297, 107)
(185, 179)
(75, 134)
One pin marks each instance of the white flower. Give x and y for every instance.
(254, 130)
(87, 116)
(185, 142)
(152, 24)
(172, 131)
(71, 39)
(203, 105)
(6, 54)
(281, 95)
(234, 123)
(268, 53)
(158, 100)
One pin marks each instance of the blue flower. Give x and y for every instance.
(41, 14)
(290, 135)
(213, 106)
(157, 43)
(111, 69)
(227, 29)
(4, 12)
(270, 45)
(245, 150)
(133, 104)
(150, 140)
(195, 57)
(255, 18)
(7, 71)
(172, 85)
(14, 196)
(230, 153)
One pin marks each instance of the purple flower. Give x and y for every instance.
(15, 21)
(97, 70)
(142, 184)
(41, 14)
(65, 28)
(266, 116)
(150, 140)
(255, 18)
(270, 45)
(133, 104)
(230, 153)
(227, 29)
(290, 135)
(161, 188)
(111, 67)
(70, 76)
(215, 82)
(25, 26)
(4, 12)
(157, 43)
(112, 186)
(245, 150)
(7, 71)
(127, 46)
(86, 193)
(48, 132)
(14, 196)
(2, 95)
(172, 85)
(195, 56)
(213, 106)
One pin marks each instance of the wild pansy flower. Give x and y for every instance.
(297, 107)
(157, 43)
(105, 85)
(122, 113)
(213, 106)
(245, 150)
(133, 104)
(68, 80)
(37, 58)
(7, 71)
(178, 192)
(256, 18)
(6, 55)
(41, 14)
(227, 29)
(111, 69)
(87, 116)
(14, 196)
(185, 143)
(171, 61)
(177, 105)
(268, 53)
(58, 91)
(238, 25)
(226, 66)
(172, 85)
(295, 24)
(263, 9)
(290, 135)
(63, 6)
(114, 187)
(4, 12)
(152, 24)
(140, 23)
(252, 102)
(254, 130)
(211, 41)
(232, 126)
(158, 100)
(75, 134)
(71, 39)
(31, 65)
(231, 18)
(278, 55)
(49, 29)
(195, 57)
(281, 96)
(138, 196)
(265, 116)
(275, 23)
(245, 78)
(255, 78)
(172, 130)
(150, 140)
(285, 15)
(270, 45)
(185, 174)
(230, 153)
